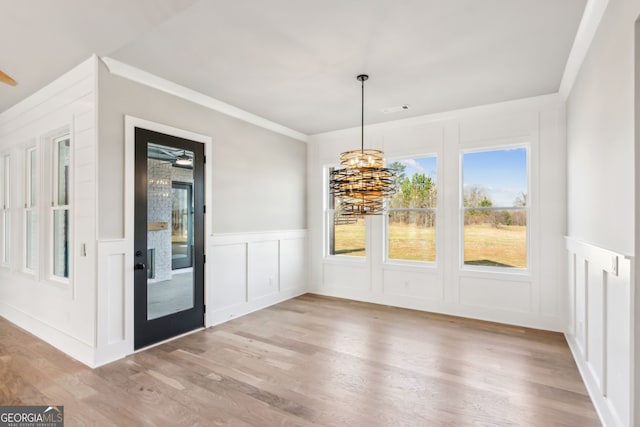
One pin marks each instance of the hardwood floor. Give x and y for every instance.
(314, 361)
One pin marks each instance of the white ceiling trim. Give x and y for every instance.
(135, 74)
(552, 100)
(593, 12)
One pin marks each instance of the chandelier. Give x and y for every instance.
(362, 184)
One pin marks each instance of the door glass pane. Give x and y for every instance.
(181, 225)
(62, 172)
(61, 243)
(169, 289)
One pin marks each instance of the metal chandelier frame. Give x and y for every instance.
(363, 183)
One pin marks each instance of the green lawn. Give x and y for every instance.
(485, 244)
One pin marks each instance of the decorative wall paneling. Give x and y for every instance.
(250, 271)
(533, 297)
(63, 314)
(599, 327)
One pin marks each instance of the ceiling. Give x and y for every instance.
(295, 62)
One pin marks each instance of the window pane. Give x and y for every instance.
(32, 241)
(6, 250)
(412, 236)
(411, 233)
(496, 238)
(62, 172)
(496, 181)
(416, 183)
(6, 201)
(347, 234)
(495, 178)
(32, 178)
(348, 237)
(61, 243)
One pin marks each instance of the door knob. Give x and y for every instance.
(140, 266)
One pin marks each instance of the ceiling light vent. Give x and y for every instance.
(395, 109)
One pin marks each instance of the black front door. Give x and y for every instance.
(169, 194)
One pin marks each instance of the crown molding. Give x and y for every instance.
(143, 77)
(593, 12)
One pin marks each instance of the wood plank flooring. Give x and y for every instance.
(314, 361)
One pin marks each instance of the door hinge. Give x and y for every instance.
(204, 259)
(204, 209)
(205, 159)
(204, 308)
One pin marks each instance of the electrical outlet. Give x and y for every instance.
(614, 265)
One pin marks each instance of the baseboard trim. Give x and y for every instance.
(607, 415)
(61, 340)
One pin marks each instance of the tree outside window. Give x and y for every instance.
(411, 222)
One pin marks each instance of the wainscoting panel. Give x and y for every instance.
(596, 321)
(228, 275)
(249, 271)
(115, 301)
(580, 303)
(293, 261)
(352, 277)
(505, 295)
(599, 290)
(115, 290)
(414, 284)
(263, 268)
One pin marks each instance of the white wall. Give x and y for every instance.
(534, 298)
(600, 135)
(256, 207)
(91, 317)
(602, 174)
(244, 157)
(62, 314)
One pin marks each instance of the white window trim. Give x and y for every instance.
(461, 210)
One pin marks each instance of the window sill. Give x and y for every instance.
(431, 267)
(517, 274)
(344, 259)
